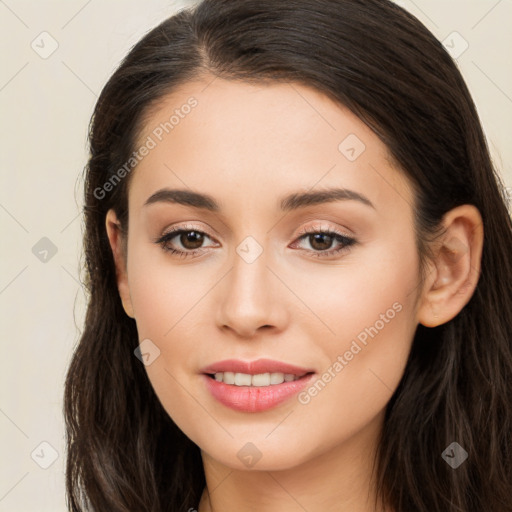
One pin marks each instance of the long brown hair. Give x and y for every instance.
(124, 452)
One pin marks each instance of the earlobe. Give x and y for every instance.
(116, 240)
(456, 267)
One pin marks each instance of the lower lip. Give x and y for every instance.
(255, 398)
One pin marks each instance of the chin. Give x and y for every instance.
(258, 455)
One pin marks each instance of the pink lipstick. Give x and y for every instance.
(254, 386)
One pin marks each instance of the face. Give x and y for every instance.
(302, 253)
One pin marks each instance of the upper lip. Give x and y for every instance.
(255, 367)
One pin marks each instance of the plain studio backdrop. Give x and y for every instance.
(57, 55)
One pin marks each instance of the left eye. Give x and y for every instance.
(322, 239)
(191, 241)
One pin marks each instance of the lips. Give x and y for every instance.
(255, 367)
(245, 398)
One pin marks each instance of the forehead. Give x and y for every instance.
(256, 142)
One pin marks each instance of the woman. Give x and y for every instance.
(298, 257)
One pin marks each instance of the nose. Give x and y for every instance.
(249, 300)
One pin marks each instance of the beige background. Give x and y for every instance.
(46, 104)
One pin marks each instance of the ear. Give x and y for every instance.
(455, 268)
(118, 246)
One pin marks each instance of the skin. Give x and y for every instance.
(248, 146)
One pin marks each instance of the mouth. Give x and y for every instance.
(255, 392)
(255, 386)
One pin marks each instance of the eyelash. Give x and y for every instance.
(345, 240)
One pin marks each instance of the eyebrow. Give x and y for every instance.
(290, 202)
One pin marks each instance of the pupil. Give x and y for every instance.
(317, 237)
(192, 237)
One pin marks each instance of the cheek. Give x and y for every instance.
(167, 299)
(360, 295)
(164, 294)
(371, 315)
(362, 374)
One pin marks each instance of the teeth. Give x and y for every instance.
(242, 379)
(260, 380)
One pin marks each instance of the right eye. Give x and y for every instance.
(190, 239)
